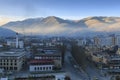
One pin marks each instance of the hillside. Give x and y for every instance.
(55, 25)
(6, 32)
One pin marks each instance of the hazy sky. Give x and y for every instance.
(68, 9)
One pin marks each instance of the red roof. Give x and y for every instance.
(41, 61)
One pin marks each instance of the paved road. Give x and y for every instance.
(94, 72)
(71, 71)
(77, 74)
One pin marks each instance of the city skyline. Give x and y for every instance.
(59, 40)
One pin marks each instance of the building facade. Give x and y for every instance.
(37, 65)
(52, 55)
(12, 60)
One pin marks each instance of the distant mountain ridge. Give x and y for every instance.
(55, 25)
(6, 32)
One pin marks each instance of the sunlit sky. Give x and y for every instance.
(67, 9)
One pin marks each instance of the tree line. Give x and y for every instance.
(79, 55)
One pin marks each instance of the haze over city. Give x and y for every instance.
(59, 39)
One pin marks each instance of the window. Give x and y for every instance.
(35, 68)
(11, 64)
(40, 68)
(11, 60)
(11, 68)
(15, 63)
(43, 68)
(6, 68)
(50, 68)
(7, 63)
(15, 68)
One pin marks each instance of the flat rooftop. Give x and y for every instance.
(12, 53)
(48, 52)
(41, 61)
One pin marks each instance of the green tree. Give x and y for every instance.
(67, 78)
(117, 77)
(62, 48)
(79, 55)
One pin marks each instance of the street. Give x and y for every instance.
(93, 73)
(74, 73)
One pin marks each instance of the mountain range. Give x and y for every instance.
(6, 32)
(57, 26)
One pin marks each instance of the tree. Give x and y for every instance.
(117, 77)
(67, 78)
(62, 48)
(79, 55)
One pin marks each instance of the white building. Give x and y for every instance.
(1, 45)
(37, 65)
(15, 43)
(81, 42)
(3, 78)
(106, 41)
(12, 43)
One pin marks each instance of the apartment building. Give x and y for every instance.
(12, 60)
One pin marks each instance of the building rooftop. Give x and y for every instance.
(100, 54)
(114, 57)
(41, 61)
(48, 52)
(12, 53)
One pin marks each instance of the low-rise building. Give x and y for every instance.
(54, 55)
(109, 62)
(100, 57)
(1, 45)
(12, 60)
(15, 43)
(113, 64)
(58, 75)
(12, 43)
(3, 78)
(37, 65)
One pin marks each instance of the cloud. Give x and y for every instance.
(4, 20)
